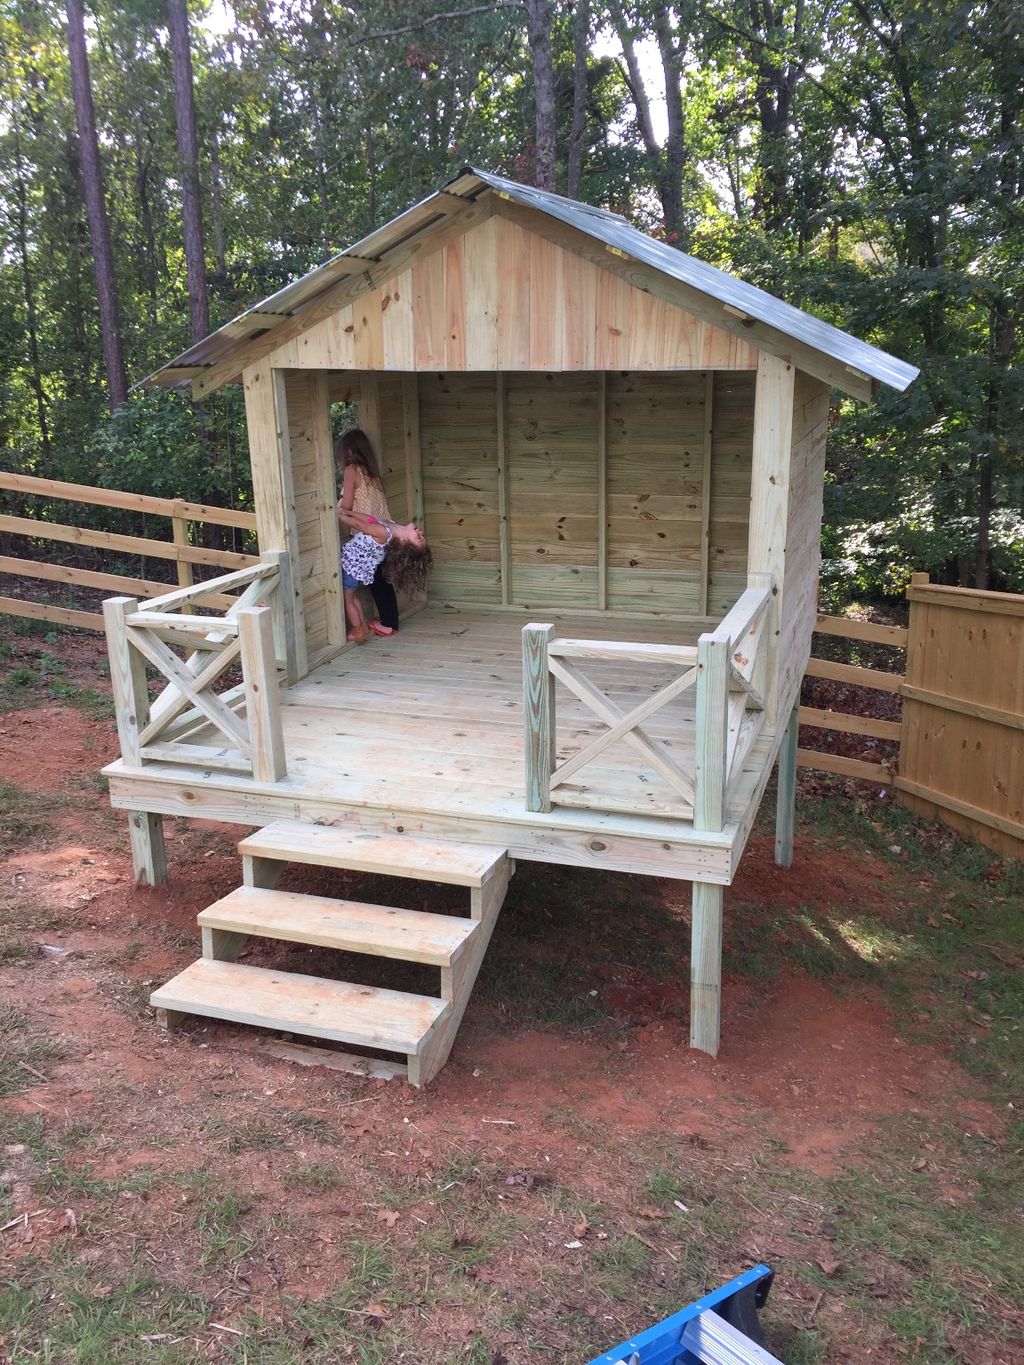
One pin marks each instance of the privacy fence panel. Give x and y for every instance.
(962, 733)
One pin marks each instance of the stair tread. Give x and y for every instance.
(365, 1015)
(380, 930)
(398, 855)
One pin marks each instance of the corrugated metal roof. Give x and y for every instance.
(609, 229)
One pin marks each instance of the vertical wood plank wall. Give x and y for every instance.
(962, 741)
(803, 534)
(658, 443)
(312, 460)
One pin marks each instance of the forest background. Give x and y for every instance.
(164, 165)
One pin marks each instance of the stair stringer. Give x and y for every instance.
(457, 981)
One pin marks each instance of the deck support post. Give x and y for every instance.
(706, 967)
(709, 814)
(539, 716)
(785, 805)
(149, 857)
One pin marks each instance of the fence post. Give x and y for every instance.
(179, 531)
(538, 716)
(262, 700)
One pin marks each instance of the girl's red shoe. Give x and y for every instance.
(385, 631)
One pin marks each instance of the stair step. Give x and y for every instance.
(346, 1013)
(380, 930)
(395, 855)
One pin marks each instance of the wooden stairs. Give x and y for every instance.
(420, 1027)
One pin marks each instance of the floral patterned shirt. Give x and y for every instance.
(362, 554)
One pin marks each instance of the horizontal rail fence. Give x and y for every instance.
(245, 718)
(178, 549)
(850, 723)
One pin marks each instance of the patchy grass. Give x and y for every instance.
(23, 815)
(24, 1051)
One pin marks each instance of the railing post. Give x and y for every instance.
(538, 716)
(284, 617)
(262, 700)
(127, 678)
(712, 732)
(131, 711)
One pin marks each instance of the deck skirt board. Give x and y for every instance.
(347, 926)
(364, 1016)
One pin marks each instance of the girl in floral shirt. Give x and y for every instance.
(401, 549)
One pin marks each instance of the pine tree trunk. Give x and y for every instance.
(188, 151)
(99, 228)
(581, 44)
(538, 28)
(28, 284)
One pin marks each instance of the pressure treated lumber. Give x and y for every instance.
(393, 856)
(706, 968)
(346, 925)
(785, 808)
(364, 1016)
(133, 502)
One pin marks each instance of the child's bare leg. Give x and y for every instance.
(354, 613)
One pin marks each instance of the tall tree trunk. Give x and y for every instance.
(188, 151)
(538, 30)
(669, 194)
(581, 47)
(670, 46)
(217, 196)
(143, 163)
(28, 284)
(99, 228)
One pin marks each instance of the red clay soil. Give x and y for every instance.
(817, 1071)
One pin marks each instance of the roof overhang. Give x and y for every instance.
(767, 322)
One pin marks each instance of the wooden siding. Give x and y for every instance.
(312, 465)
(499, 297)
(542, 461)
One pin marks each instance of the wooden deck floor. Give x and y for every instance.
(425, 731)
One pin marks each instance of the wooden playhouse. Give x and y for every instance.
(617, 453)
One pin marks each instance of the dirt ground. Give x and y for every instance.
(573, 1174)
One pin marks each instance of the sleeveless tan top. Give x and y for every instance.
(369, 500)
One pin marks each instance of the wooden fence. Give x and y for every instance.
(179, 548)
(960, 755)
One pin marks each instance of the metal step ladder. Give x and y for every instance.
(421, 1028)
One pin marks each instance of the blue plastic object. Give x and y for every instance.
(662, 1344)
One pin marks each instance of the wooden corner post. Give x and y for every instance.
(769, 503)
(131, 710)
(538, 716)
(709, 814)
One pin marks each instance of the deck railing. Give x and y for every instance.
(727, 668)
(246, 715)
(731, 686)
